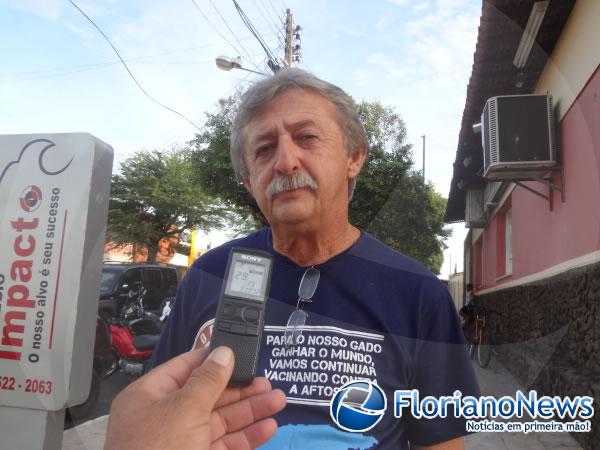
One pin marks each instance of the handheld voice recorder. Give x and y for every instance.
(241, 309)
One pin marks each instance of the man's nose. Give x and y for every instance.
(286, 157)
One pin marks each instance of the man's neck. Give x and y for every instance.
(309, 247)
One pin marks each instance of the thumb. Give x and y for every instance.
(207, 382)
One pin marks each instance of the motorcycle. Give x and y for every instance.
(123, 343)
(135, 333)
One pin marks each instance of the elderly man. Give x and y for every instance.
(298, 145)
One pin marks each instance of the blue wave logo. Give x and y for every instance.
(358, 406)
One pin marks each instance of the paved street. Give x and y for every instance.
(88, 433)
(109, 388)
(494, 380)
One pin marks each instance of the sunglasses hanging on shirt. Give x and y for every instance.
(297, 320)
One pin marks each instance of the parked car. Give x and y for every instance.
(118, 279)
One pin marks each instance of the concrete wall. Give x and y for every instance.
(548, 335)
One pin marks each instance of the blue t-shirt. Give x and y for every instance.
(376, 314)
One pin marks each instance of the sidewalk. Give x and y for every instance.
(494, 380)
(87, 436)
(497, 381)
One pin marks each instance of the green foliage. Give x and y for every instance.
(153, 196)
(215, 172)
(391, 201)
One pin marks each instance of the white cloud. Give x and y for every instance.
(385, 22)
(386, 64)
(54, 9)
(442, 42)
(86, 35)
(380, 59)
(421, 6)
(47, 9)
(398, 2)
(361, 77)
(91, 9)
(348, 31)
(452, 5)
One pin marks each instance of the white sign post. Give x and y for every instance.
(54, 193)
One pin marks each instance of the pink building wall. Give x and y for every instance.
(542, 238)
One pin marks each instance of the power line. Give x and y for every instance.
(274, 63)
(274, 10)
(175, 137)
(238, 52)
(127, 68)
(232, 33)
(274, 29)
(58, 72)
(275, 20)
(60, 69)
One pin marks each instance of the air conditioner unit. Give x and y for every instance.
(474, 213)
(518, 137)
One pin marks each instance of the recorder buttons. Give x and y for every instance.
(251, 315)
(229, 309)
(238, 328)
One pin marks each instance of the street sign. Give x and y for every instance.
(54, 191)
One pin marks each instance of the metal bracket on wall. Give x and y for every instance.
(549, 182)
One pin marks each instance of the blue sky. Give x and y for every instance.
(59, 75)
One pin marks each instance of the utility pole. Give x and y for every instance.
(292, 40)
(423, 158)
(289, 26)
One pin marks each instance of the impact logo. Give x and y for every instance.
(31, 198)
(358, 406)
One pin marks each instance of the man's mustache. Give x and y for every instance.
(281, 183)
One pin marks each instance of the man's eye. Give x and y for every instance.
(307, 137)
(263, 149)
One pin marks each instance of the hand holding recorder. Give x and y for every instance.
(184, 404)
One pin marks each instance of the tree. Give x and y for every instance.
(391, 201)
(214, 169)
(153, 196)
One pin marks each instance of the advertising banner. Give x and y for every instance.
(54, 192)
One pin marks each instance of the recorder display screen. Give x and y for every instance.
(247, 279)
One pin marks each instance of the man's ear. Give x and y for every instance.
(247, 184)
(356, 161)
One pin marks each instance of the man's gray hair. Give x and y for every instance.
(262, 93)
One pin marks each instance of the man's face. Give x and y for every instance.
(298, 133)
